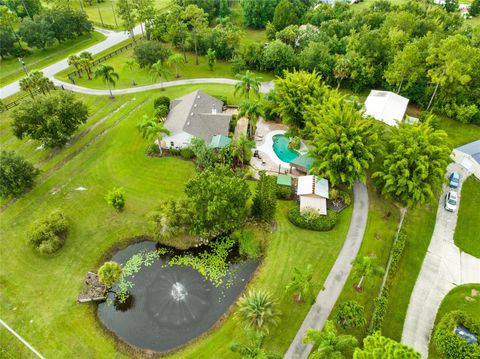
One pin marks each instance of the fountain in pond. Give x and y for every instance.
(172, 304)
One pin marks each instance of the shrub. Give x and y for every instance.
(16, 174)
(110, 273)
(312, 220)
(380, 308)
(161, 112)
(350, 314)
(397, 251)
(187, 153)
(248, 245)
(265, 200)
(153, 150)
(149, 52)
(295, 143)
(284, 192)
(48, 235)
(161, 101)
(450, 344)
(116, 198)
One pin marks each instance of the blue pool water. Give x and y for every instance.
(280, 147)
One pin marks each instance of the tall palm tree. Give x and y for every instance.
(301, 284)
(253, 350)
(151, 128)
(364, 267)
(175, 60)
(74, 60)
(85, 62)
(251, 110)
(328, 344)
(158, 70)
(131, 64)
(108, 75)
(35, 81)
(248, 82)
(258, 310)
(26, 84)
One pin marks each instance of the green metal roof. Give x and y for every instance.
(284, 180)
(303, 161)
(220, 141)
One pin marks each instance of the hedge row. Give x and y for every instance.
(313, 221)
(450, 344)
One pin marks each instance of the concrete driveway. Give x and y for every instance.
(443, 268)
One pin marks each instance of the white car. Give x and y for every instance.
(451, 201)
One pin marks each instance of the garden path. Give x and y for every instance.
(327, 297)
(444, 267)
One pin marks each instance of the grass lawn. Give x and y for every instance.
(418, 226)
(144, 77)
(382, 223)
(459, 133)
(11, 69)
(38, 297)
(468, 225)
(456, 300)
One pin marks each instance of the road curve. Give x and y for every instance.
(337, 277)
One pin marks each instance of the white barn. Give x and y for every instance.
(386, 106)
(313, 193)
(468, 156)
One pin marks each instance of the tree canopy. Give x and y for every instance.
(377, 345)
(16, 174)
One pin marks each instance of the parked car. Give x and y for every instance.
(451, 201)
(454, 180)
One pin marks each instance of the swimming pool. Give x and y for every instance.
(280, 147)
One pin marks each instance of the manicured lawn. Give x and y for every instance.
(456, 299)
(468, 225)
(144, 76)
(459, 133)
(11, 69)
(382, 223)
(418, 226)
(38, 297)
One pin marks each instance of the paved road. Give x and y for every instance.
(112, 39)
(443, 268)
(265, 86)
(337, 277)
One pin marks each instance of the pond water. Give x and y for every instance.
(281, 149)
(170, 306)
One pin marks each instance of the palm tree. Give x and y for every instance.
(74, 60)
(364, 267)
(131, 64)
(251, 110)
(85, 61)
(151, 128)
(159, 71)
(108, 75)
(253, 350)
(175, 60)
(328, 344)
(257, 310)
(301, 284)
(26, 84)
(241, 148)
(36, 81)
(248, 82)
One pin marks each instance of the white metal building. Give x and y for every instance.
(313, 193)
(386, 106)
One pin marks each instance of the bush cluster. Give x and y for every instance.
(248, 245)
(450, 344)
(116, 198)
(48, 235)
(284, 192)
(312, 220)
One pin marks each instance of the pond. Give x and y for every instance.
(281, 149)
(170, 305)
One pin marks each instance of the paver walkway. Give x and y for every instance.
(443, 268)
(265, 86)
(337, 277)
(112, 38)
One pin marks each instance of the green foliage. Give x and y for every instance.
(474, 8)
(187, 153)
(451, 5)
(345, 143)
(284, 192)
(108, 75)
(16, 174)
(450, 344)
(241, 149)
(196, 22)
(161, 101)
(254, 349)
(376, 343)
(171, 219)
(338, 197)
(312, 220)
(204, 154)
(219, 199)
(300, 284)
(252, 110)
(295, 142)
(211, 58)
(249, 246)
(149, 52)
(248, 82)
(265, 199)
(350, 314)
(364, 267)
(414, 164)
(257, 311)
(284, 15)
(126, 11)
(327, 343)
(116, 198)
(24, 8)
(110, 273)
(50, 119)
(35, 81)
(152, 128)
(256, 13)
(396, 253)
(278, 57)
(212, 264)
(7, 42)
(380, 305)
(153, 150)
(48, 235)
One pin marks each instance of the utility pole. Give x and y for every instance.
(20, 59)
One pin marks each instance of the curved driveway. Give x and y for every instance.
(444, 267)
(337, 277)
